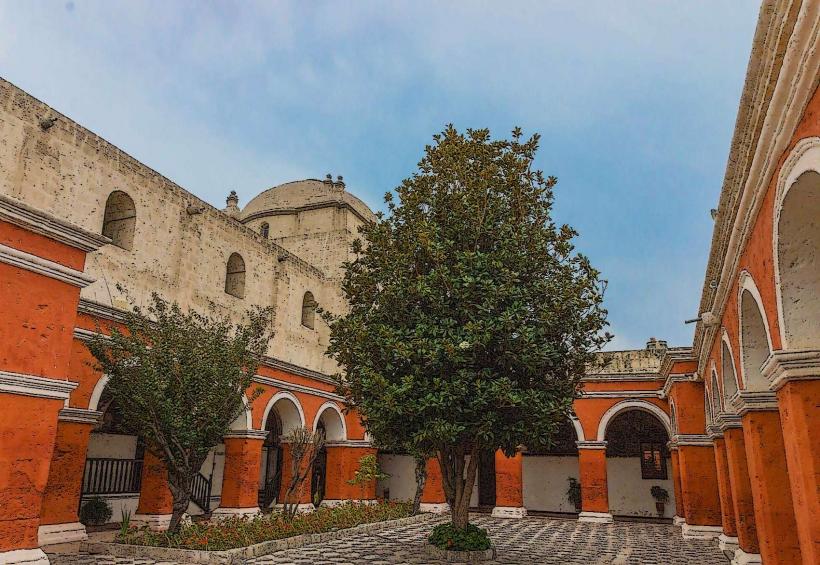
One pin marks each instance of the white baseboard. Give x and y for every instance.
(24, 557)
(600, 517)
(222, 513)
(743, 558)
(509, 512)
(158, 522)
(678, 521)
(61, 533)
(690, 531)
(727, 543)
(435, 508)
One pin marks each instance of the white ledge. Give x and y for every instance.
(45, 267)
(40, 387)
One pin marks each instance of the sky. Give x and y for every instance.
(635, 102)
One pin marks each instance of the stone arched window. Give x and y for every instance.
(120, 219)
(308, 310)
(235, 276)
(264, 229)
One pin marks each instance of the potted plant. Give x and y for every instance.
(661, 496)
(95, 512)
(574, 493)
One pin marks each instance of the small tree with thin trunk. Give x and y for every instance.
(179, 378)
(471, 316)
(305, 447)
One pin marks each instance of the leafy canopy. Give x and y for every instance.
(471, 316)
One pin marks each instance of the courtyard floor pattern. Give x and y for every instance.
(532, 540)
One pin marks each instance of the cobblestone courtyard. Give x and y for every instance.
(528, 541)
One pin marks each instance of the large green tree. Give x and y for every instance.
(471, 315)
(178, 378)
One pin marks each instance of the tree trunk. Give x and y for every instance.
(421, 479)
(458, 482)
(180, 507)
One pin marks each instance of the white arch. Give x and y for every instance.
(96, 394)
(804, 157)
(245, 420)
(747, 282)
(673, 418)
(725, 341)
(579, 429)
(332, 434)
(289, 425)
(633, 405)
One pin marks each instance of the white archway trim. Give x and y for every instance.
(96, 394)
(633, 405)
(804, 157)
(579, 429)
(724, 338)
(335, 408)
(276, 398)
(245, 423)
(748, 283)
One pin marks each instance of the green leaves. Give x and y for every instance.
(471, 317)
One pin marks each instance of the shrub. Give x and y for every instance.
(95, 511)
(471, 538)
(242, 531)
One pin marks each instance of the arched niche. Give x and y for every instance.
(235, 276)
(120, 219)
(288, 409)
(727, 371)
(330, 417)
(754, 345)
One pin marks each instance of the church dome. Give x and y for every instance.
(307, 194)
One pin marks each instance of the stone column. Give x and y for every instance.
(302, 498)
(240, 479)
(769, 476)
(594, 491)
(509, 486)
(748, 550)
(678, 519)
(432, 497)
(156, 503)
(728, 538)
(795, 376)
(342, 463)
(699, 485)
(59, 522)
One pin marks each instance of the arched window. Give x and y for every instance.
(235, 276)
(264, 229)
(308, 310)
(120, 219)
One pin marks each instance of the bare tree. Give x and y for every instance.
(305, 447)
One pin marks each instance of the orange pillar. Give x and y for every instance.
(509, 486)
(699, 486)
(342, 464)
(748, 548)
(302, 495)
(156, 503)
(679, 518)
(727, 539)
(59, 522)
(769, 476)
(240, 478)
(594, 491)
(797, 400)
(432, 497)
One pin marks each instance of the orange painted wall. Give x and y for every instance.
(679, 505)
(741, 490)
(592, 470)
(727, 509)
(433, 492)
(240, 479)
(699, 485)
(155, 497)
(800, 419)
(591, 410)
(302, 497)
(41, 246)
(28, 426)
(65, 475)
(342, 463)
(509, 490)
(771, 491)
(689, 407)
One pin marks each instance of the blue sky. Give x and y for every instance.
(636, 103)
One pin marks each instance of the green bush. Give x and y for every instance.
(471, 538)
(242, 531)
(95, 511)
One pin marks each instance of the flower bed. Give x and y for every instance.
(237, 532)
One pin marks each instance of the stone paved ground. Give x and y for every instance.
(533, 540)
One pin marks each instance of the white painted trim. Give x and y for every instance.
(24, 557)
(754, 401)
(747, 283)
(727, 543)
(222, 513)
(301, 508)
(595, 517)
(743, 558)
(246, 434)
(588, 444)
(45, 267)
(579, 429)
(434, 507)
(785, 366)
(620, 394)
(696, 440)
(678, 521)
(803, 158)
(293, 387)
(40, 387)
(724, 339)
(20, 214)
(329, 405)
(96, 394)
(79, 416)
(362, 443)
(156, 522)
(61, 533)
(238, 424)
(633, 405)
(509, 512)
(283, 394)
(689, 531)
